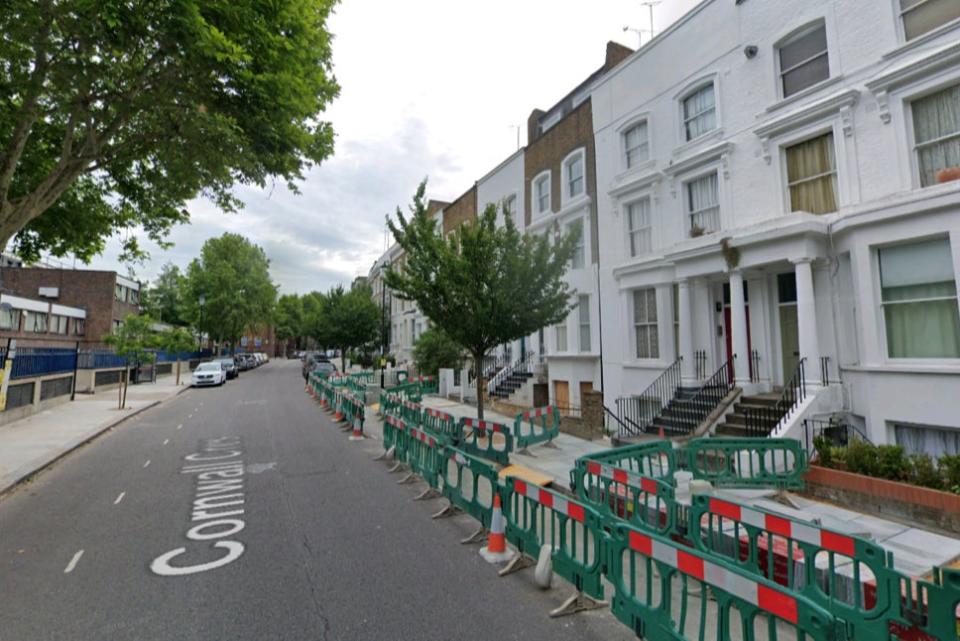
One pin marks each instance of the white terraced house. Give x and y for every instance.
(770, 209)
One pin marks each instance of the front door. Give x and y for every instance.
(789, 340)
(729, 338)
(561, 396)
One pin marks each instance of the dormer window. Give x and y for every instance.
(636, 144)
(574, 171)
(541, 193)
(803, 59)
(699, 112)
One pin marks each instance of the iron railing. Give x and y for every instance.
(493, 364)
(754, 365)
(694, 411)
(642, 408)
(623, 426)
(839, 432)
(825, 371)
(700, 362)
(522, 366)
(761, 421)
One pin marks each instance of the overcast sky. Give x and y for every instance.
(430, 88)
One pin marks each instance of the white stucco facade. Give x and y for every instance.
(811, 282)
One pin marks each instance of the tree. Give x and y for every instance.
(288, 319)
(435, 350)
(165, 295)
(350, 320)
(233, 277)
(134, 340)
(115, 114)
(177, 341)
(483, 285)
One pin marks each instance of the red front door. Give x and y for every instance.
(729, 338)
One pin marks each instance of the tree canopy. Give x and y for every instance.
(164, 297)
(135, 340)
(483, 285)
(288, 318)
(114, 114)
(232, 275)
(434, 350)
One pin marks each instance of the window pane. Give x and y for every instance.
(636, 144)
(803, 47)
(811, 173)
(936, 126)
(578, 259)
(575, 176)
(923, 330)
(917, 264)
(806, 75)
(584, 309)
(919, 18)
(699, 112)
(561, 331)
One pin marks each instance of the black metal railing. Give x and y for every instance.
(754, 365)
(566, 409)
(522, 366)
(825, 371)
(648, 405)
(700, 362)
(620, 427)
(761, 420)
(494, 363)
(694, 411)
(839, 432)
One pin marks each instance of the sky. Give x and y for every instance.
(429, 89)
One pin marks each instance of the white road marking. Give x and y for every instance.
(165, 441)
(73, 562)
(147, 463)
(180, 427)
(120, 498)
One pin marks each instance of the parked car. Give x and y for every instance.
(245, 362)
(231, 367)
(311, 360)
(324, 368)
(209, 373)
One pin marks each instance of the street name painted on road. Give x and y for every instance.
(219, 473)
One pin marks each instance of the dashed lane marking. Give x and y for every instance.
(147, 463)
(73, 562)
(180, 427)
(120, 498)
(165, 441)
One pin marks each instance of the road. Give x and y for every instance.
(309, 539)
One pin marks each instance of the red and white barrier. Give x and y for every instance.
(619, 475)
(554, 501)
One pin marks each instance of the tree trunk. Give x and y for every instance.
(178, 372)
(120, 393)
(343, 360)
(478, 367)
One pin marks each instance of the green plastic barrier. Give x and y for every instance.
(468, 483)
(621, 495)
(428, 384)
(536, 516)
(666, 590)
(654, 459)
(441, 423)
(852, 578)
(486, 439)
(540, 425)
(747, 462)
(425, 455)
(412, 413)
(392, 427)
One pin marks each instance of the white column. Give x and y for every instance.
(685, 310)
(738, 330)
(807, 320)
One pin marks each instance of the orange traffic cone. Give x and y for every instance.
(338, 415)
(357, 434)
(496, 551)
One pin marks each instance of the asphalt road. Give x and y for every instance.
(332, 547)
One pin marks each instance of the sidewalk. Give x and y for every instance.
(32, 443)
(915, 550)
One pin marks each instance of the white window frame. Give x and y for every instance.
(14, 315)
(583, 305)
(634, 324)
(685, 194)
(908, 101)
(629, 231)
(560, 329)
(902, 30)
(625, 151)
(799, 139)
(578, 154)
(689, 92)
(581, 245)
(507, 211)
(79, 326)
(793, 36)
(543, 177)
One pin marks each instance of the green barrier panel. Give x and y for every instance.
(540, 425)
(412, 413)
(486, 439)
(536, 516)
(441, 423)
(618, 494)
(653, 596)
(655, 459)
(468, 484)
(392, 405)
(747, 462)
(392, 426)
(356, 385)
(428, 384)
(425, 456)
(850, 577)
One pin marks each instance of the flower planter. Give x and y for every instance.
(948, 174)
(916, 504)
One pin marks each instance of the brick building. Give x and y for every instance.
(106, 298)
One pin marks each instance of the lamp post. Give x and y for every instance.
(202, 301)
(383, 327)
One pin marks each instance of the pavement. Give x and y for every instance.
(122, 539)
(32, 443)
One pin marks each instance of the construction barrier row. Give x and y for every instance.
(486, 439)
(539, 425)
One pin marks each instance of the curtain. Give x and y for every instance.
(935, 117)
(811, 174)
(703, 203)
(927, 440)
(638, 226)
(699, 112)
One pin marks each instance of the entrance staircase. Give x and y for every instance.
(509, 379)
(735, 423)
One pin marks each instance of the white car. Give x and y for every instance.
(211, 373)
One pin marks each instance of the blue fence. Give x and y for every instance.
(41, 361)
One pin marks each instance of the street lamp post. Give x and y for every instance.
(202, 301)
(383, 328)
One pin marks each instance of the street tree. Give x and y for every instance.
(434, 350)
(232, 278)
(350, 320)
(165, 295)
(288, 319)
(115, 114)
(177, 341)
(483, 285)
(135, 341)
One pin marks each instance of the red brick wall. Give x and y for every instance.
(460, 211)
